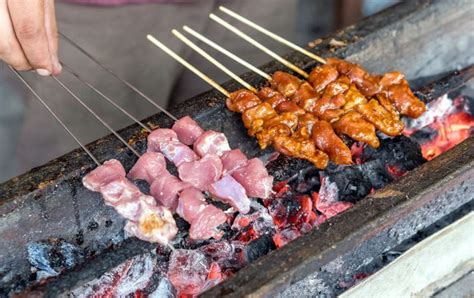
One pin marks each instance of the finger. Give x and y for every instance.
(10, 49)
(52, 34)
(28, 22)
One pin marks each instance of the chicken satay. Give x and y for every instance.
(382, 119)
(242, 100)
(387, 104)
(327, 141)
(266, 136)
(323, 75)
(353, 97)
(357, 128)
(290, 107)
(285, 83)
(271, 96)
(255, 117)
(404, 100)
(368, 84)
(301, 148)
(306, 97)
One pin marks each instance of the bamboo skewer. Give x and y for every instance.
(259, 45)
(212, 60)
(105, 97)
(227, 53)
(188, 65)
(96, 116)
(272, 35)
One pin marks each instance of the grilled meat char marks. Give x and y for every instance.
(342, 94)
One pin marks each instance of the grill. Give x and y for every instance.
(50, 205)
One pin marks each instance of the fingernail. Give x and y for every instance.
(43, 72)
(58, 66)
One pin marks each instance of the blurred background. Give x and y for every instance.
(114, 33)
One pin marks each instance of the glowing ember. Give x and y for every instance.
(452, 130)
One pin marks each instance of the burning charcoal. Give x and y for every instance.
(53, 256)
(259, 247)
(188, 270)
(285, 236)
(281, 168)
(228, 255)
(254, 224)
(327, 200)
(351, 181)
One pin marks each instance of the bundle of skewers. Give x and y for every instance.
(306, 117)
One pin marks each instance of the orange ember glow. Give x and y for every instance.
(452, 130)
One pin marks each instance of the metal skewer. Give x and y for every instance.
(212, 60)
(129, 85)
(188, 65)
(272, 35)
(259, 45)
(227, 53)
(55, 116)
(96, 116)
(105, 97)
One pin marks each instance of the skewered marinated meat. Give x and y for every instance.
(191, 203)
(381, 118)
(368, 84)
(211, 142)
(242, 100)
(268, 95)
(166, 190)
(111, 170)
(306, 97)
(146, 221)
(404, 100)
(255, 179)
(289, 107)
(266, 136)
(255, 117)
(323, 75)
(187, 130)
(154, 224)
(285, 83)
(357, 128)
(203, 218)
(353, 98)
(204, 226)
(304, 149)
(232, 160)
(231, 192)
(148, 167)
(159, 136)
(327, 141)
(201, 173)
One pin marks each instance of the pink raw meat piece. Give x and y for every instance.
(159, 136)
(201, 173)
(188, 271)
(154, 224)
(211, 142)
(191, 203)
(118, 190)
(103, 175)
(204, 226)
(232, 160)
(166, 189)
(229, 191)
(177, 152)
(148, 167)
(187, 130)
(255, 179)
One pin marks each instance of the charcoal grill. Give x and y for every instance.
(422, 38)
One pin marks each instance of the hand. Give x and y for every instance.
(29, 36)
